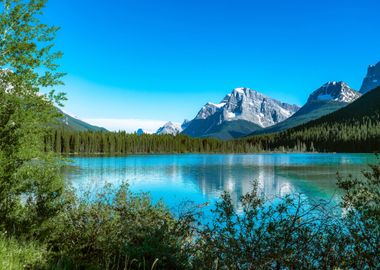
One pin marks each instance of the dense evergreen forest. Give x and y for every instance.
(120, 143)
(355, 128)
(357, 136)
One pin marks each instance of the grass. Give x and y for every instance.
(15, 255)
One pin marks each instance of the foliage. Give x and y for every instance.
(26, 48)
(30, 183)
(361, 200)
(280, 234)
(117, 230)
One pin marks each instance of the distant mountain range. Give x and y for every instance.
(240, 113)
(328, 98)
(246, 112)
(353, 128)
(168, 128)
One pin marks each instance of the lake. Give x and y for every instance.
(203, 177)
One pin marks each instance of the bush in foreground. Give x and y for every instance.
(281, 234)
(120, 230)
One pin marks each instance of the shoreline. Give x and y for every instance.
(205, 153)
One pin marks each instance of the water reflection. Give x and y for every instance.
(200, 178)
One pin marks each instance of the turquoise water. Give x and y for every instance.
(202, 178)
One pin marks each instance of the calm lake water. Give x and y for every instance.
(202, 178)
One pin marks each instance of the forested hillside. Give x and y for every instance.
(327, 99)
(354, 128)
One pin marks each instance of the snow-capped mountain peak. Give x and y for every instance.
(334, 91)
(249, 105)
(240, 90)
(169, 128)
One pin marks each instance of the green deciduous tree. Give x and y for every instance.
(30, 183)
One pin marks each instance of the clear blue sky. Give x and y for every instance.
(164, 59)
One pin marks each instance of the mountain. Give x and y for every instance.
(330, 97)
(372, 80)
(354, 128)
(75, 124)
(240, 113)
(169, 128)
(173, 128)
(364, 108)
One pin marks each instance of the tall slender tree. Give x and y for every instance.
(30, 183)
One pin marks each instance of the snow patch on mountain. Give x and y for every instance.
(334, 91)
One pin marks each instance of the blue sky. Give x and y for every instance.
(157, 60)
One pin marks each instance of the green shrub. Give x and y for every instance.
(361, 200)
(120, 231)
(286, 233)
